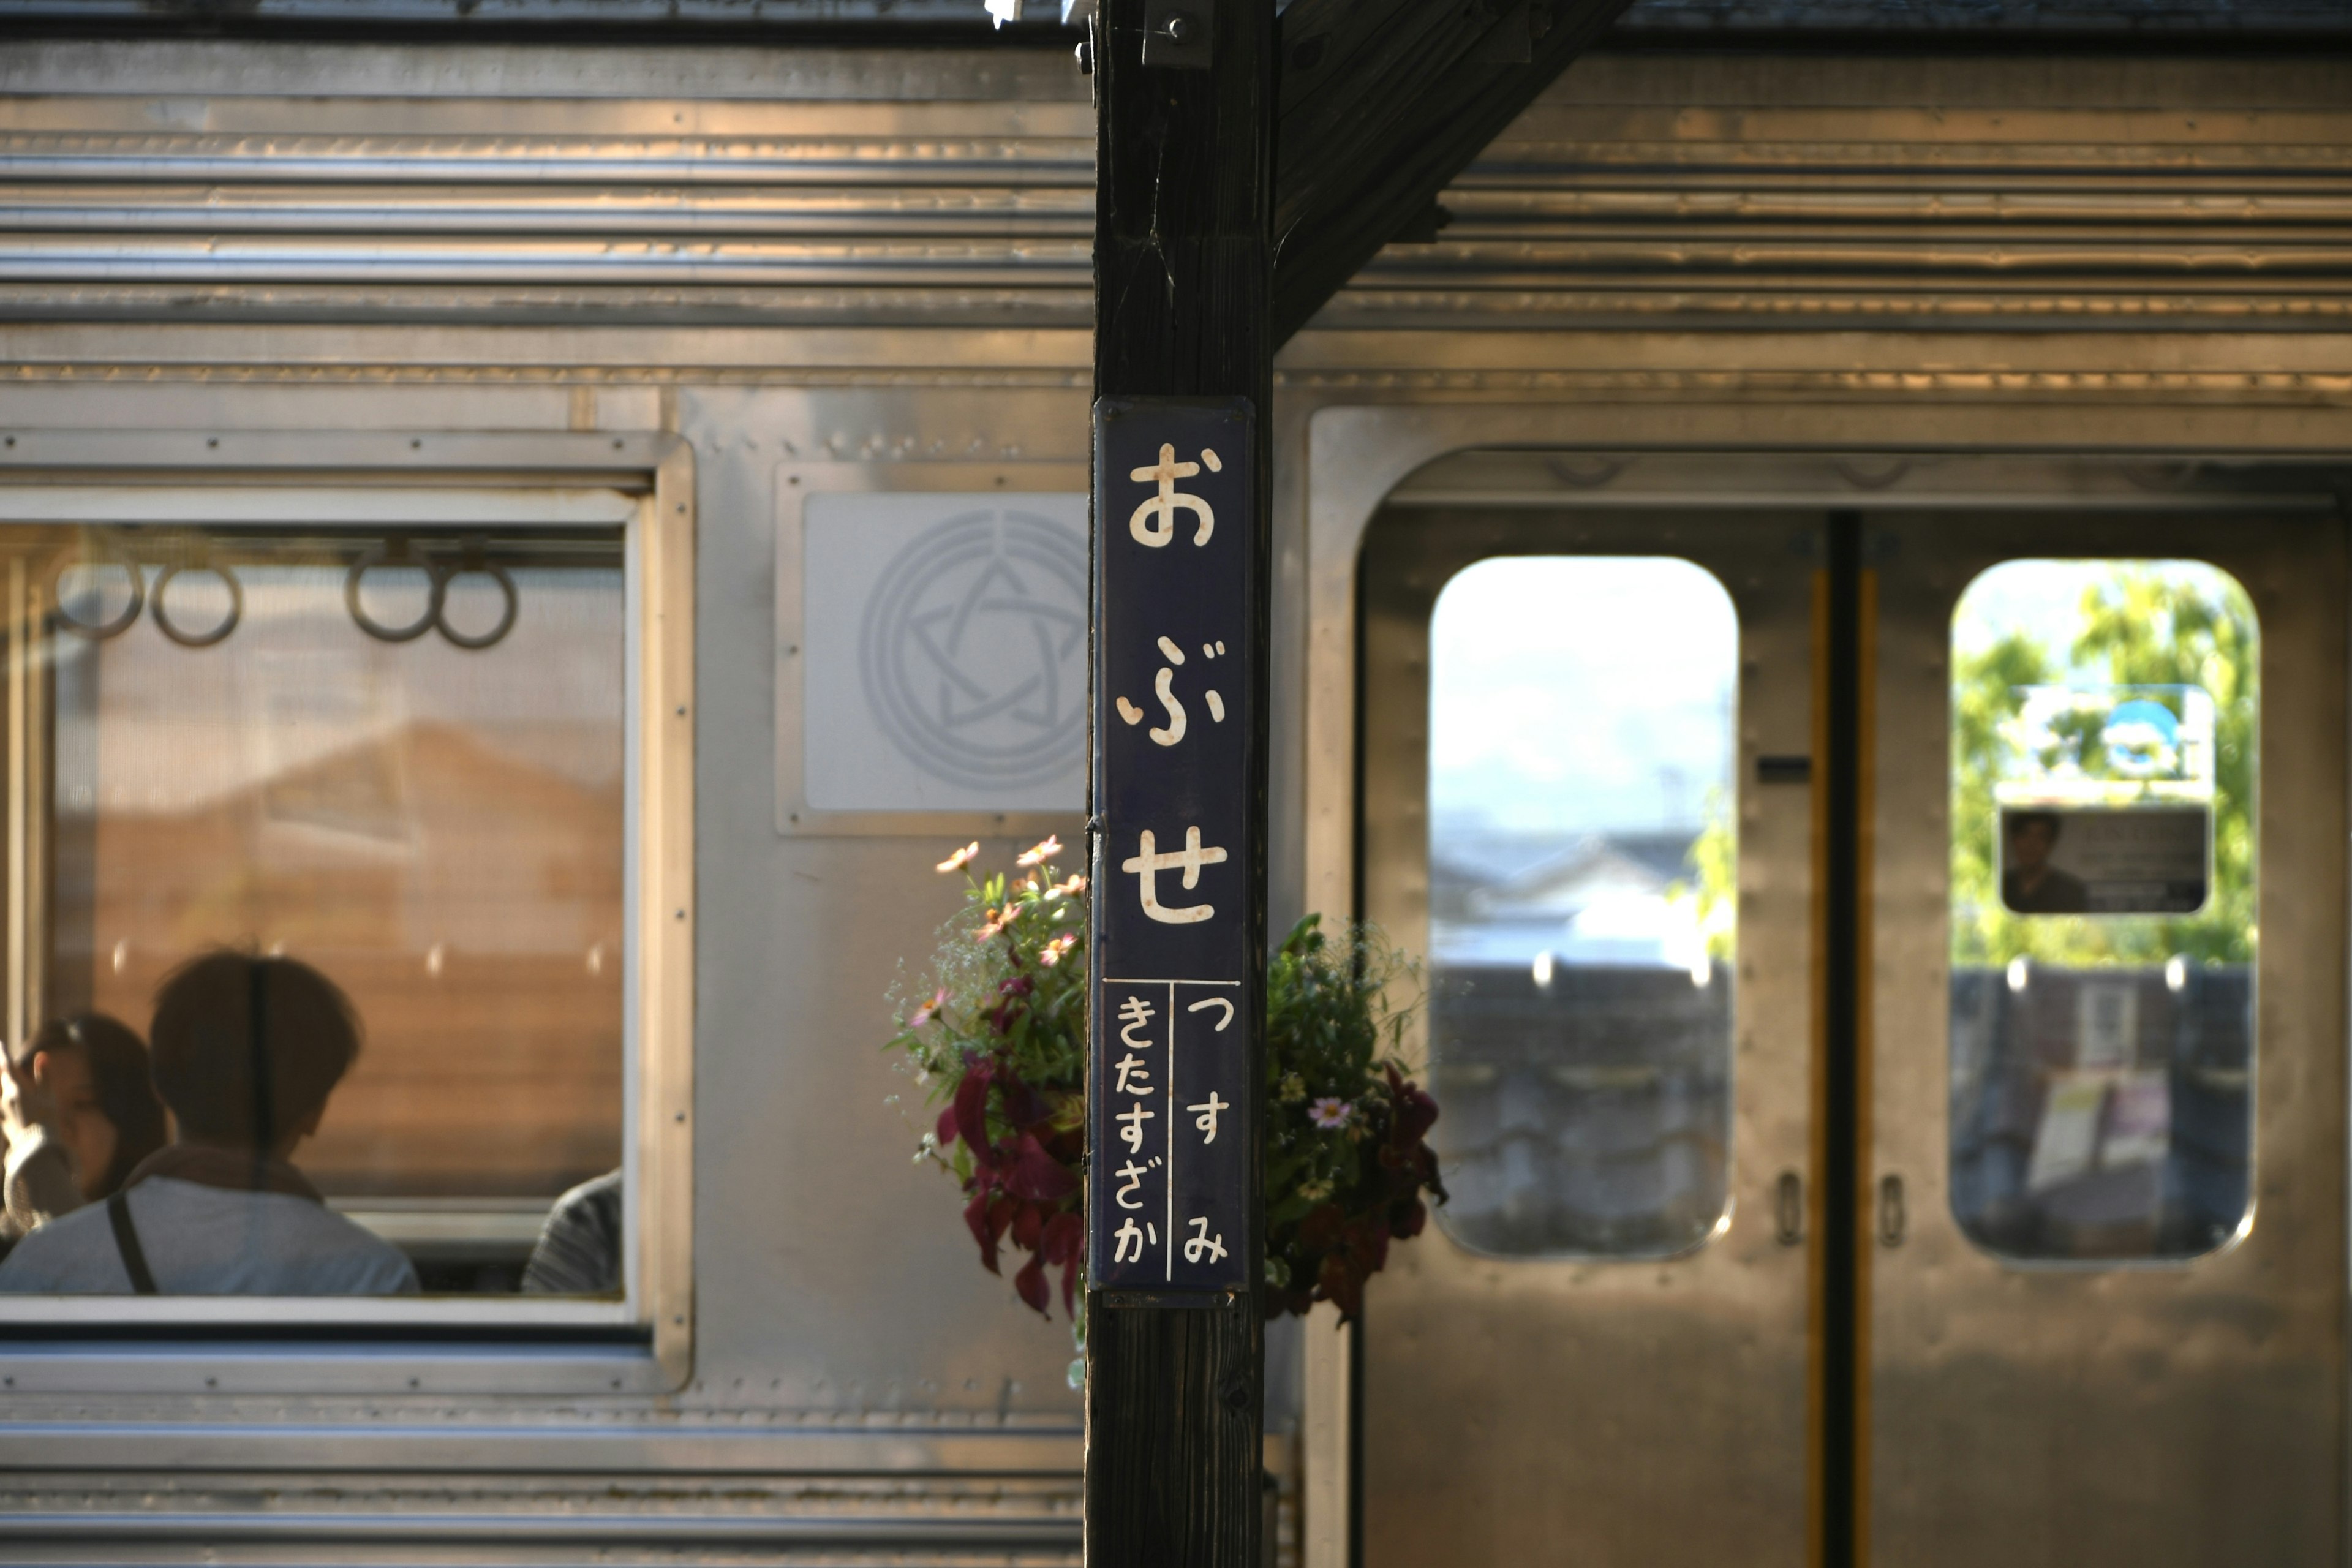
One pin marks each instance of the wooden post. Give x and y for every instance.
(1185, 99)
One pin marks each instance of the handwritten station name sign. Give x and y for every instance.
(1170, 1048)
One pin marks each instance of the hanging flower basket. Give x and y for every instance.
(998, 1043)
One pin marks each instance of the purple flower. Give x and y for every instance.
(1331, 1113)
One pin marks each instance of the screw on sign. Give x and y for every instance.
(1172, 1046)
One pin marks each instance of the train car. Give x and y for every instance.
(559, 520)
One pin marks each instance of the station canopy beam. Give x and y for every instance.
(1382, 103)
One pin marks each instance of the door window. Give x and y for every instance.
(2103, 868)
(1581, 871)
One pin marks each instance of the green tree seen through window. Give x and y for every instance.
(2136, 625)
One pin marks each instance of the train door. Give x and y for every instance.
(1600, 1349)
(2106, 1094)
(2074, 1108)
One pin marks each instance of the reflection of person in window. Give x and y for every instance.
(2030, 884)
(246, 1051)
(79, 1111)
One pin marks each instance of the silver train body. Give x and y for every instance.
(717, 277)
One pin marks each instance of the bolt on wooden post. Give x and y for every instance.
(1184, 94)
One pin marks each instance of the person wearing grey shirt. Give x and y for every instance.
(246, 1051)
(579, 1250)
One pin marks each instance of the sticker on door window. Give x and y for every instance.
(2107, 800)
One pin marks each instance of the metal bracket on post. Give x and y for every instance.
(1182, 34)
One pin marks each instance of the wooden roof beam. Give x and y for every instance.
(1382, 103)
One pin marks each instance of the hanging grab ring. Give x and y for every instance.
(100, 632)
(393, 554)
(219, 633)
(497, 634)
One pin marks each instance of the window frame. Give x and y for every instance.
(1728, 1198)
(644, 482)
(2150, 1263)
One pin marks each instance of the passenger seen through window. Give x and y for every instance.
(78, 1113)
(246, 1051)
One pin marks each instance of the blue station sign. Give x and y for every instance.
(1172, 1045)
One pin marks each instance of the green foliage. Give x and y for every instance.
(1010, 977)
(999, 1047)
(2137, 629)
(1714, 893)
(1345, 1158)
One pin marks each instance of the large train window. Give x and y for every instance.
(318, 868)
(1581, 900)
(2103, 909)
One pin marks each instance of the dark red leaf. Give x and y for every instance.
(1319, 1231)
(946, 1130)
(1028, 1226)
(975, 1215)
(1065, 1239)
(971, 1108)
(1341, 1286)
(1064, 1232)
(1423, 1118)
(1417, 1112)
(1018, 1103)
(1035, 1174)
(1031, 1283)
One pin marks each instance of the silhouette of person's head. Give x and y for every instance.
(246, 1049)
(95, 1069)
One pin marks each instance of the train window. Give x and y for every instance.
(2104, 862)
(330, 822)
(1582, 897)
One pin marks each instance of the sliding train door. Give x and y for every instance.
(1988, 1214)
(1584, 750)
(2106, 1165)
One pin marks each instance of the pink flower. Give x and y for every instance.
(1051, 954)
(1331, 1113)
(1037, 853)
(928, 1010)
(961, 859)
(1076, 884)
